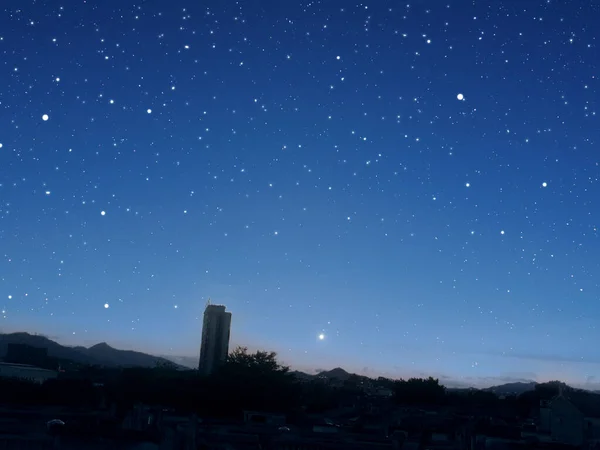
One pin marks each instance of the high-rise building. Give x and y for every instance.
(216, 328)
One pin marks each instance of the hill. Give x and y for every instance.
(335, 374)
(512, 388)
(338, 373)
(303, 375)
(55, 350)
(100, 354)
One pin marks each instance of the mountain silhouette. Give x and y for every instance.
(104, 355)
(334, 374)
(512, 388)
(303, 375)
(55, 350)
(110, 356)
(100, 354)
(338, 374)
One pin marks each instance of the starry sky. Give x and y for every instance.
(398, 188)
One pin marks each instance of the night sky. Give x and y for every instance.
(398, 188)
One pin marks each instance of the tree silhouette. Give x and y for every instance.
(254, 381)
(426, 391)
(546, 391)
(258, 362)
(245, 381)
(386, 383)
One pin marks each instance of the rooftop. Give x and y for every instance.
(215, 309)
(25, 366)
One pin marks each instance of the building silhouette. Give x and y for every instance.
(216, 328)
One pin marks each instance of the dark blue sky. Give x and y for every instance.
(416, 181)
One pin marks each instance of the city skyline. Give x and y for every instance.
(408, 188)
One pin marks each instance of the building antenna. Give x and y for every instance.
(208, 302)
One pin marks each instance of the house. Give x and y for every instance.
(572, 418)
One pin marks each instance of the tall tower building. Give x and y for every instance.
(216, 328)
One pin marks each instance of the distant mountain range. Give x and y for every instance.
(342, 375)
(100, 354)
(334, 374)
(104, 355)
(512, 388)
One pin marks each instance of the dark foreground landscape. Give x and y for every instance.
(253, 402)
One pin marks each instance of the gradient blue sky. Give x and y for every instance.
(310, 165)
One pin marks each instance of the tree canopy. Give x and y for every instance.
(258, 362)
(255, 381)
(419, 391)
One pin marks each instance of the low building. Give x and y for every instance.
(572, 418)
(26, 372)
